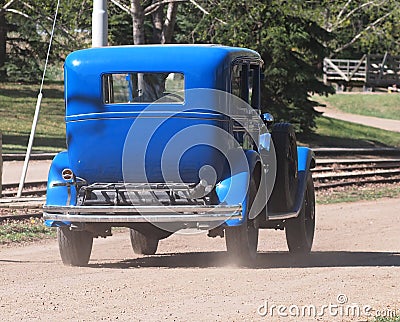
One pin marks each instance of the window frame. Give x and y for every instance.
(248, 66)
(108, 88)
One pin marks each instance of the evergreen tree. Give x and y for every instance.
(291, 46)
(28, 25)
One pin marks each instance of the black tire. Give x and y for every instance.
(143, 244)
(284, 192)
(242, 241)
(300, 230)
(75, 246)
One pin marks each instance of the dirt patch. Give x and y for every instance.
(356, 257)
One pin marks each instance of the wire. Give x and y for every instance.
(50, 42)
(37, 109)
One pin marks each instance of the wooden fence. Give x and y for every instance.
(369, 71)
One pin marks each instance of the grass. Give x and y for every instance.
(17, 108)
(18, 101)
(358, 193)
(387, 319)
(336, 133)
(24, 231)
(378, 105)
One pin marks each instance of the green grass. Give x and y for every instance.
(378, 105)
(388, 319)
(17, 108)
(24, 231)
(358, 193)
(18, 101)
(336, 133)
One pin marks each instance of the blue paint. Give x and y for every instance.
(58, 195)
(96, 132)
(111, 142)
(55, 224)
(233, 190)
(304, 156)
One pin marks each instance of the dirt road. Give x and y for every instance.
(355, 262)
(380, 123)
(37, 171)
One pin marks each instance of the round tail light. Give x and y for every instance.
(67, 174)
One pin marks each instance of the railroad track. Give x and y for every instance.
(328, 174)
(30, 189)
(331, 173)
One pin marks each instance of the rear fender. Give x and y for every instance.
(306, 161)
(305, 158)
(58, 195)
(233, 189)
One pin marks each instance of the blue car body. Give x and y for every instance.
(108, 144)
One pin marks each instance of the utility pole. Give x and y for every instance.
(99, 23)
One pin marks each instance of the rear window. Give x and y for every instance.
(131, 88)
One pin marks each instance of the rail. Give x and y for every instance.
(335, 168)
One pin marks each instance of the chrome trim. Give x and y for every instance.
(142, 213)
(139, 218)
(150, 209)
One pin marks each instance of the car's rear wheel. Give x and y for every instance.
(144, 244)
(300, 230)
(283, 194)
(75, 246)
(242, 241)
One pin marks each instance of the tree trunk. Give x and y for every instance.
(138, 22)
(3, 41)
(158, 17)
(169, 23)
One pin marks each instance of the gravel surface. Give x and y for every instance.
(355, 262)
(380, 123)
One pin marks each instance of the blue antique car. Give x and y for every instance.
(165, 138)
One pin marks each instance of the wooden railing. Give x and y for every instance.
(370, 70)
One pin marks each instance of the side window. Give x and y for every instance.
(245, 83)
(236, 84)
(240, 81)
(254, 86)
(143, 88)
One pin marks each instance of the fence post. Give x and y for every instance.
(1, 164)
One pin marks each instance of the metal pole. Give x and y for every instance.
(30, 144)
(99, 23)
(37, 109)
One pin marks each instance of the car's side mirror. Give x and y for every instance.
(267, 118)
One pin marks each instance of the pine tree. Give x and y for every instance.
(291, 46)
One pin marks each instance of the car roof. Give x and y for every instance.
(157, 58)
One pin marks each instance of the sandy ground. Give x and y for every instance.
(355, 262)
(37, 171)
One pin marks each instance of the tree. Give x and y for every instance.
(163, 17)
(3, 37)
(28, 26)
(291, 46)
(357, 26)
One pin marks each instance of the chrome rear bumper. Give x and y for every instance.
(121, 214)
